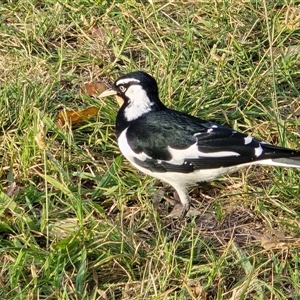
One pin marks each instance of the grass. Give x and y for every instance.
(76, 220)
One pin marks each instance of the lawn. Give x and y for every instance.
(76, 220)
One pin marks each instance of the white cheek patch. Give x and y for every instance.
(138, 104)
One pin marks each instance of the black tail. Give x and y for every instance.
(279, 156)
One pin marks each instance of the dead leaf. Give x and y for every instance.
(297, 108)
(99, 33)
(195, 289)
(270, 244)
(75, 117)
(92, 88)
(63, 228)
(12, 190)
(40, 136)
(287, 52)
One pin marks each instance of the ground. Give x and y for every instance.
(76, 220)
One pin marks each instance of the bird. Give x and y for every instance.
(178, 148)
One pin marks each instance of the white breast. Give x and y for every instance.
(127, 151)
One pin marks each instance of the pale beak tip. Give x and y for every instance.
(107, 93)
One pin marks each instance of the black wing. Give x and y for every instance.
(218, 146)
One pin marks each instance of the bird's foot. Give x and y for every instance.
(185, 209)
(181, 211)
(161, 194)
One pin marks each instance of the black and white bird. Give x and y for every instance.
(178, 148)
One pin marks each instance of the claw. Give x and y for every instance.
(180, 211)
(185, 208)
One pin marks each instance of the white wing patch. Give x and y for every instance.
(248, 139)
(258, 151)
(178, 156)
(199, 133)
(138, 104)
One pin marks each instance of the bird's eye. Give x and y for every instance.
(122, 88)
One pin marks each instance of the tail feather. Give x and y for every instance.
(287, 162)
(280, 156)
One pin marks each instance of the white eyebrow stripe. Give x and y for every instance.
(126, 80)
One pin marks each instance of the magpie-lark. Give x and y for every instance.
(178, 148)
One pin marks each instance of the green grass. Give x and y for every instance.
(76, 220)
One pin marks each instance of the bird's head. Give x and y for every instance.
(138, 92)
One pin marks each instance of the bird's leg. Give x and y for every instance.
(182, 206)
(181, 201)
(160, 193)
